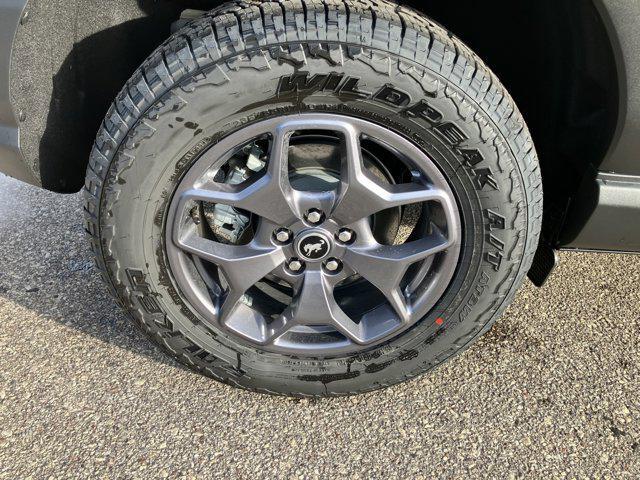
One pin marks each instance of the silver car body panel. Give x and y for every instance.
(11, 160)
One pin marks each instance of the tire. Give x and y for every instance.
(249, 61)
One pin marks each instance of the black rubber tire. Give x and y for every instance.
(235, 66)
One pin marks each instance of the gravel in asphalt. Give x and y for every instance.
(551, 392)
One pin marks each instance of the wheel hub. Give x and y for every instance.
(313, 245)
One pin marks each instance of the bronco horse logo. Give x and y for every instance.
(313, 247)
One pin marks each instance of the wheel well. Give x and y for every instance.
(555, 59)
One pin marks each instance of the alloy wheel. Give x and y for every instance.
(301, 257)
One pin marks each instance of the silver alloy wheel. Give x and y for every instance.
(411, 276)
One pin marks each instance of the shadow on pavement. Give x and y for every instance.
(46, 268)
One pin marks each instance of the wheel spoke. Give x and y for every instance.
(314, 304)
(385, 265)
(256, 198)
(362, 195)
(242, 265)
(299, 202)
(269, 196)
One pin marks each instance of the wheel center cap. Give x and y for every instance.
(313, 246)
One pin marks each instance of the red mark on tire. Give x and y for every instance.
(439, 321)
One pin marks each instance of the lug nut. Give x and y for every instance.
(314, 216)
(295, 265)
(333, 265)
(283, 235)
(345, 235)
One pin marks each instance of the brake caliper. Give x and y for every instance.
(229, 224)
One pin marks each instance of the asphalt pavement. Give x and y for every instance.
(553, 391)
